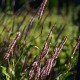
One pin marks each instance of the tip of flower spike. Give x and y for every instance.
(19, 33)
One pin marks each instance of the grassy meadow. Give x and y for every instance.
(25, 44)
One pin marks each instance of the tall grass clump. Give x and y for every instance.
(34, 45)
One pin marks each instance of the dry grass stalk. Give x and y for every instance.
(42, 55)
(37, 64)
(29, 26)
(31, 73)
(47, 68)
(11, 46)
(73, 52)
(38, 72)
(61, 46)
(75, 47)
(46, 47)
(51, 61)
(44, 52)
(40, 12)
